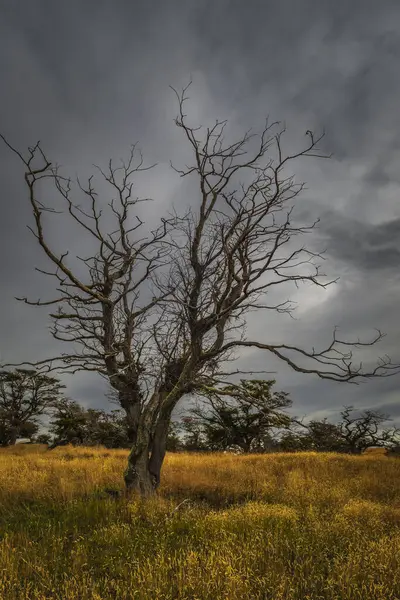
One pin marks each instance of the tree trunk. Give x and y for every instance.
(131, 404)
(12, 440)
(138, 479)
(158, 446)
(142, 475)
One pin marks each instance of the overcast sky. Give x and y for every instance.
(90, 78)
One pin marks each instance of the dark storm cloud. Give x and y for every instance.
(366, 246)
(391, 409)
(90, 78)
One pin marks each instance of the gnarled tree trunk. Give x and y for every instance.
(130, 402)
(143, 473)
(138, 478)
(145, 460)
(159, 444)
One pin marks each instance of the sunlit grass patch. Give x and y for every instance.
(281, 526)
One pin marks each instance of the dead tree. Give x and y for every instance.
(362, 432)
(207, 269)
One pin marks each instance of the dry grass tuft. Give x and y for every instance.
(375, 451)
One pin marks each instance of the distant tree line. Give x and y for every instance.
(247, 417)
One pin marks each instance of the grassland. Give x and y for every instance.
(282, 526)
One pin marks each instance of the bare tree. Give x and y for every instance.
(364, 431)
(25, 395)
(207, 269)
(353, 434)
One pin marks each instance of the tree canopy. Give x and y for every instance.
(25, 395)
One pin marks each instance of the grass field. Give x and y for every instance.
(280, 526)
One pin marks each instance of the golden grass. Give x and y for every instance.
(281, 527)
(375, 451)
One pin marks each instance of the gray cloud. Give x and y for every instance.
(366, 246)
(88, 79)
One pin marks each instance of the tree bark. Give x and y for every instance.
(138, 477)
(131, 404)
(143, 473)
(159, 445)
(145, 460)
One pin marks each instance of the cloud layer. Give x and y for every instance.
(88, 79)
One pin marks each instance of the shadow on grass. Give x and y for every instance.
(210, 499)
